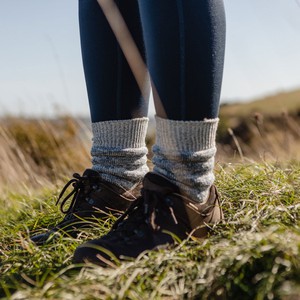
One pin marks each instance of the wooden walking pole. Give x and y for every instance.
(131, 53)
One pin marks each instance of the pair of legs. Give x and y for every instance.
(183, 43)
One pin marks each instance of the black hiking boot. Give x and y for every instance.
(92, 198)
(158, 218)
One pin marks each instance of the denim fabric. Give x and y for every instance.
(184, 41)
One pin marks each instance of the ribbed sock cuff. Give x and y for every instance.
(120, 133)
(186, 136)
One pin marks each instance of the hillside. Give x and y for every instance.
(286, 101)
(261, 129)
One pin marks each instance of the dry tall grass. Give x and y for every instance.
(38, 152)
(267, 128)
(257, 137)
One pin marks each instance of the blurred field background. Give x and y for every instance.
(35, 152)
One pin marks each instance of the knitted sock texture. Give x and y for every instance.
(184, 153)
(119, 152)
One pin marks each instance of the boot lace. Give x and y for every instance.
(79, 183)
(144, 211)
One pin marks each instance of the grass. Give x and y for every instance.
(253, 254)
(36, 152)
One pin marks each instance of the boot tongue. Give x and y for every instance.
(91, 173)
(160, 184)
(93, 178)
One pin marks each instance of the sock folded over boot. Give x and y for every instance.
(119, 152)
(184, 153)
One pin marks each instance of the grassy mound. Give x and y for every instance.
(253, 254)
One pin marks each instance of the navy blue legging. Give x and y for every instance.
(184, 42)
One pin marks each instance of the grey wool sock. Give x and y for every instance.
(184, 153)
(119, 152)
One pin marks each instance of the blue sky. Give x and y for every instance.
(40, 62)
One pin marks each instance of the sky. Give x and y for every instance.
(41, 69)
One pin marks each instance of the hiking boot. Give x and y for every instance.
(158, 218)
(92, 198)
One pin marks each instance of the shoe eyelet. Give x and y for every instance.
(169, 201)
(90, 201)
(139, 233)
(68, 217)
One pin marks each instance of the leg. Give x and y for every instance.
(119, 125)
(112, 89)
(185, 50)
(185, 43)
(118, 110)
